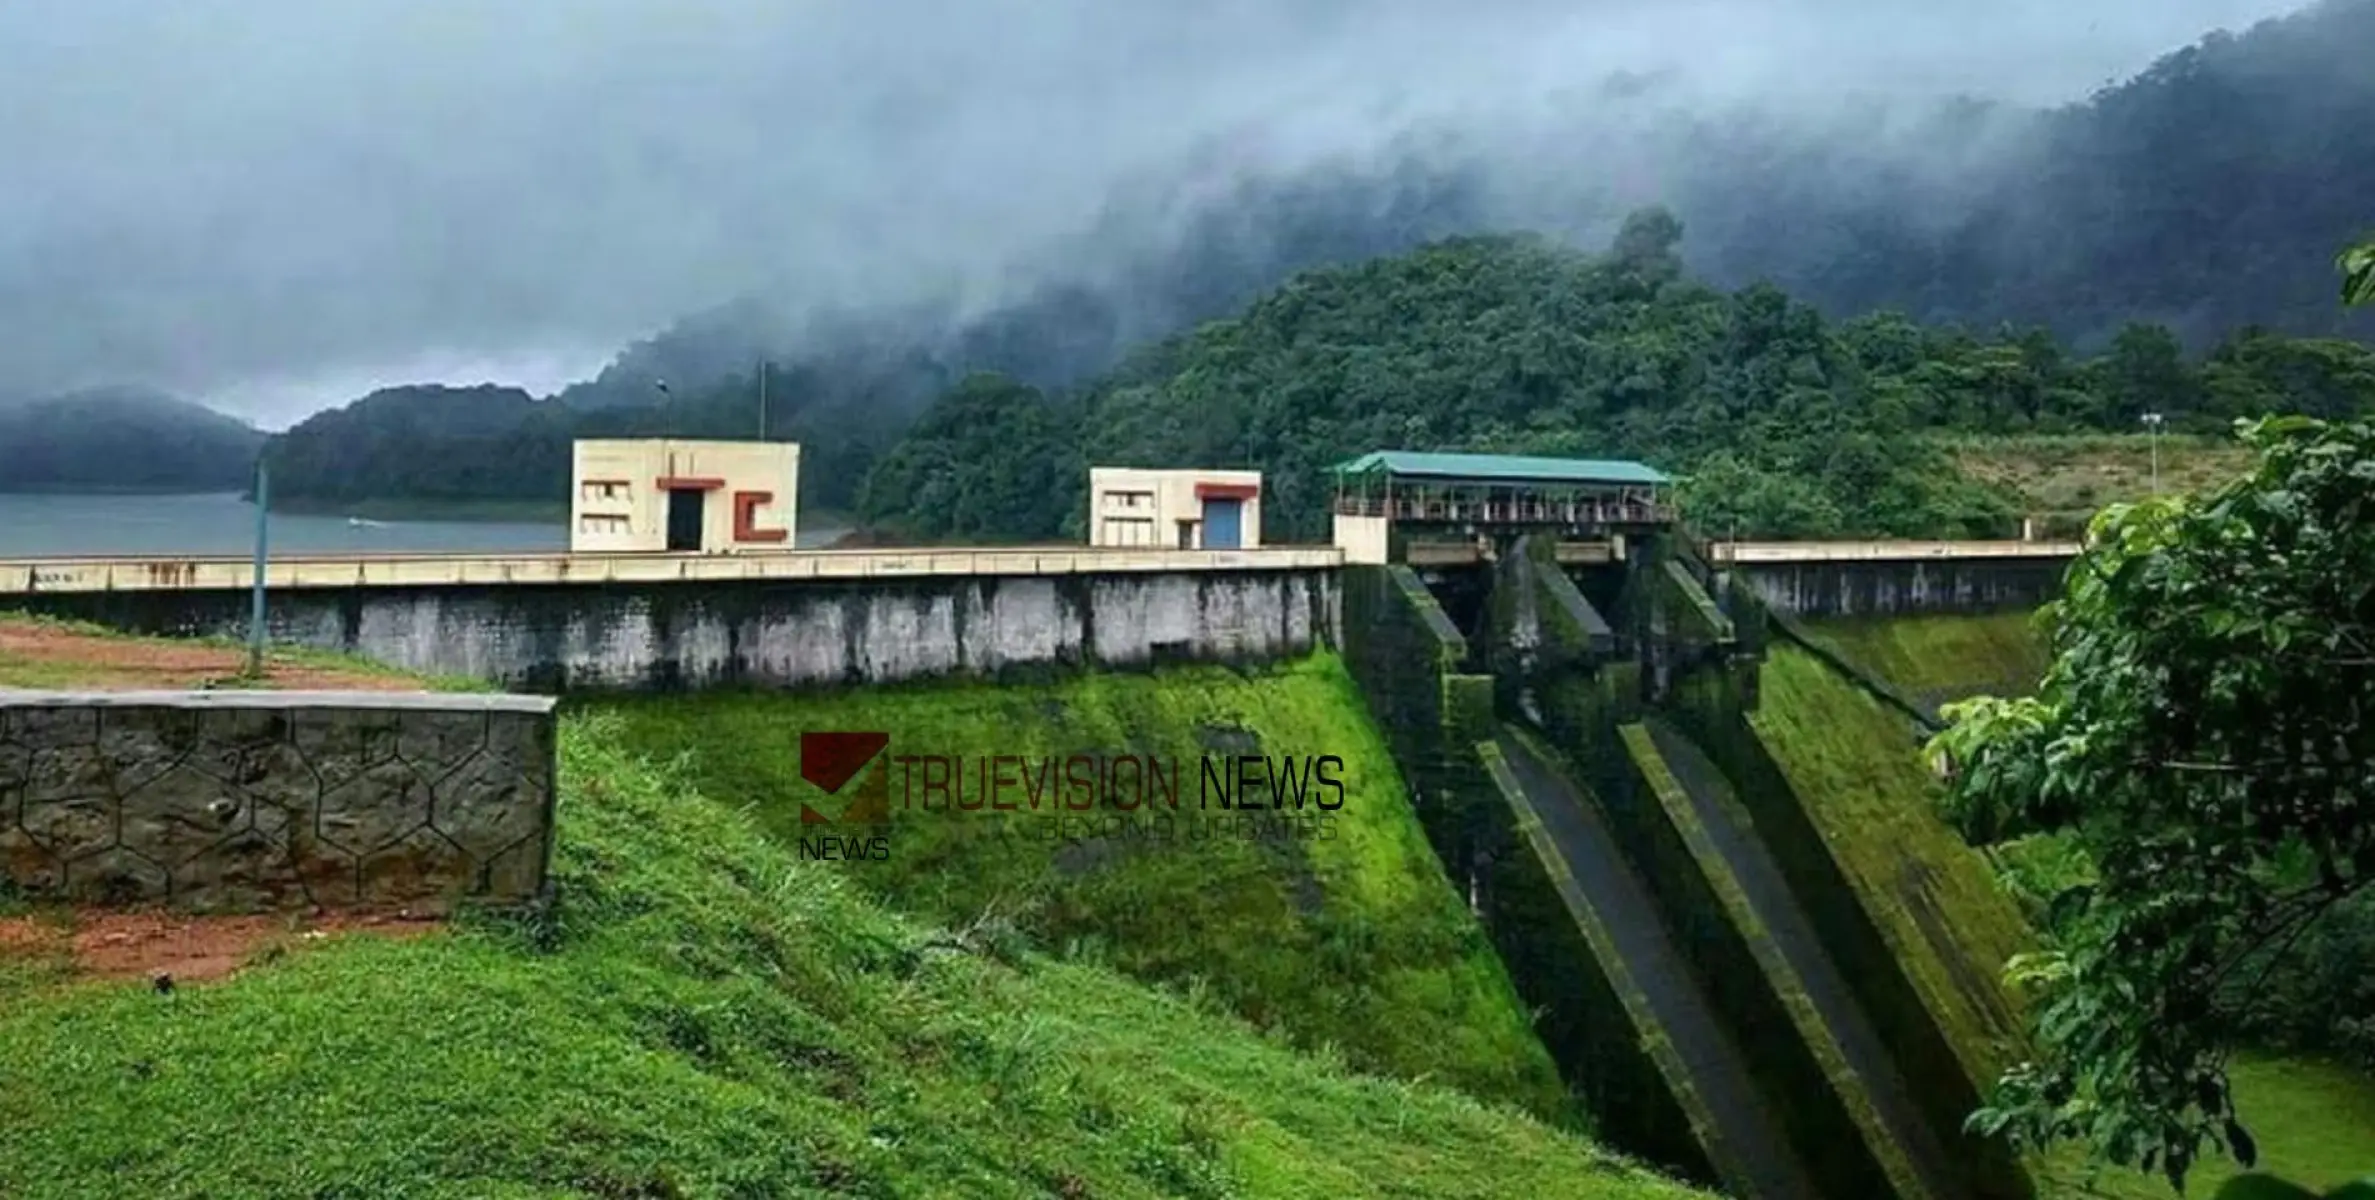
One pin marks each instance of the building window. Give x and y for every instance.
(599, 523)
(1128, 531)
(1135, 501)
(603, 489)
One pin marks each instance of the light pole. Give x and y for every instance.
(255, 614)
(2152, 422)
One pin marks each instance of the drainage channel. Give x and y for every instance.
(1760, 1154)
(1793, 934)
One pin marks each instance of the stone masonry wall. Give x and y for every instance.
(254, 801)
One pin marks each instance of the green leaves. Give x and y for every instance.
(2197, 740)
(2357, 265)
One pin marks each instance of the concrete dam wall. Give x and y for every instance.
(1720, 1004)
(763, 632)
(1903, 586)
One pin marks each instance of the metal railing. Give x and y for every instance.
(1505, 511)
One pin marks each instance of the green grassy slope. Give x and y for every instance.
(1855, 764)
(702, 1014)
(1354, 940)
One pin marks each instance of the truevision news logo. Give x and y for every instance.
(1079, 795)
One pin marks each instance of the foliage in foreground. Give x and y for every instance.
(701, 1015)
(2358, 273)
(2199, 739)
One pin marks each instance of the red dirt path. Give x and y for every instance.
(143, 945)
(131, 664)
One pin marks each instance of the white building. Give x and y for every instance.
(1187, 510)
(653, 494)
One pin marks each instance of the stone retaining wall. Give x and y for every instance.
(251, 801)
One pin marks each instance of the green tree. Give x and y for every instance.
(1645, 245)
(2145, 371)
(991, 460)
(2201, 738)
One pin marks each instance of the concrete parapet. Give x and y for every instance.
(1841, 586)
(340, 571)
(766, 633)
(250, 801)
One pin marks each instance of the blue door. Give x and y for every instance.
(1223, 523)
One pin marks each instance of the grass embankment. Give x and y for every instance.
(700, 1014)
(2064, 479)
(1855, 764)
(1354, 939)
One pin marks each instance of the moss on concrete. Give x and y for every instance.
(1935, 660)
(1596, 1020)
(1642, 800)
(1854, 766)
(1332, 928)
(1781, 977)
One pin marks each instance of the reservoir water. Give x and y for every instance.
(225, 524)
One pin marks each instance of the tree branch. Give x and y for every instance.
(2315, 901)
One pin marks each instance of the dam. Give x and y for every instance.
(549, 622)
(1568, 686)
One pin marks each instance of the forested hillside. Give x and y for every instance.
(441, 447)
(2207, 194)
(1784, 424)
(122, 439)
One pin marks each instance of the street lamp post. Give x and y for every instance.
(2152, 422)
(255, 612)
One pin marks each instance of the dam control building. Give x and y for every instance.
(1175, 510)
(630, 495)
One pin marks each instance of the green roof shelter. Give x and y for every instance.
(1477, 493)
(1499, 470)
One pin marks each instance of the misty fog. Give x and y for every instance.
(275, 205)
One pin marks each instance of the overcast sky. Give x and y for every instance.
(278, 204)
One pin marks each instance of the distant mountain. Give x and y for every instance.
(426, 443)
(122, 438)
